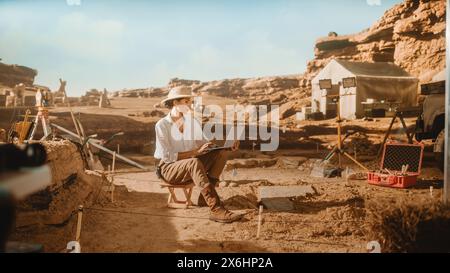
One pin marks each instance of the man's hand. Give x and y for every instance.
(204, 148)
(235, 146)
(196, 152)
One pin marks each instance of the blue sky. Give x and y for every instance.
(130, 44)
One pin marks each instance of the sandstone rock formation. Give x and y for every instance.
(11, 75)
(141, 93)
(17, 86)
(411, 34)
(179, 82)
(71, 186)
(64, 161)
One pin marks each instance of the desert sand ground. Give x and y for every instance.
(332, 220)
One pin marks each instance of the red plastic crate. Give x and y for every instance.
(395, 155)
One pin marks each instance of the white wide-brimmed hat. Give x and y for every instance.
(179, 92)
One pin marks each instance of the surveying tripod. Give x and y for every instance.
(339, 151)
(400, 113)
(42, 117)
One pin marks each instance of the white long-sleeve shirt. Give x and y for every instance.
(170, 141)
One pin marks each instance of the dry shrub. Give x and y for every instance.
(405, 226)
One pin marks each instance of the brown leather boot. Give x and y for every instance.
(214, 181)
(201, 200)
(218, 212)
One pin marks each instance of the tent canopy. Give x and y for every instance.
(380, 81)
(374, 69)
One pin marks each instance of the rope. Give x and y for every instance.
(138, 180)
(199, 218)
(297, 239)
(300, 239)
(185, 243)
(206, 218)
(147, 214)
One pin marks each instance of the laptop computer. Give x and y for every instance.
(228, 143)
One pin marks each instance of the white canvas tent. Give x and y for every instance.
(378, 81)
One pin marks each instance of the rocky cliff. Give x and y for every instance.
(410, 34)
(10, 75)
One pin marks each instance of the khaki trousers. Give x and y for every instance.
(195, 169)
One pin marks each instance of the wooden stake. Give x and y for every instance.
(80, 218)
(346, 174)
(114, 162)
(118, 148)
(112, 177)
(112, 189)
(259, 221)
(431, 191)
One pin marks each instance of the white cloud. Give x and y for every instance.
(374, 2)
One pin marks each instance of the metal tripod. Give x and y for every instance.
(339, 151)
(42, 117)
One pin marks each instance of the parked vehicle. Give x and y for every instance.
(431, 121)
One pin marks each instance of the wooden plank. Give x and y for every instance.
(92, 142)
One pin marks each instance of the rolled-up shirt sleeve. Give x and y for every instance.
(164, 150)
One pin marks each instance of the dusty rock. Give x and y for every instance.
(71, 186)
(153, 113)
(278, 98)
(288, 109)
(290, 162)
(361, 144)
(250, 163)
(64, 161)
(11, 75)
(55, 208)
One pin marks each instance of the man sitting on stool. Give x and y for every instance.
(184, 159)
